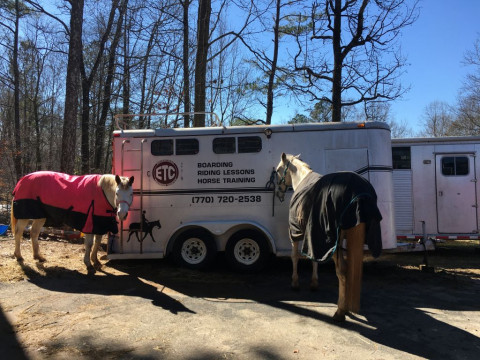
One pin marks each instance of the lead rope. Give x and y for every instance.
(270, 185)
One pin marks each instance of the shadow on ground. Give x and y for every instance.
(402, 306)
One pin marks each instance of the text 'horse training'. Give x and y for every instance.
(324, 210)
(90, 203)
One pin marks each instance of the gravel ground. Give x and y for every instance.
(154, 310)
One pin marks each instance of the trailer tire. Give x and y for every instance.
(195, 249)
(247, 251)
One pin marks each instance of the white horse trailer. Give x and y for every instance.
(435, 187)
(212, 189)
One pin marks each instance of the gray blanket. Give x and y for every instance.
(321, 206)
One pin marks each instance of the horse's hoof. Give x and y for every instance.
(295, 288)
(339, 316)
(91, 270)
(19, 259)
(97, 265)
(40, 258)
(313, 287)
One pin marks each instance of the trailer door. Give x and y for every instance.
(456, 189)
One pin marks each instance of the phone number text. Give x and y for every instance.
(224, 199)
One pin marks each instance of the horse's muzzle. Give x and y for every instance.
(280, 195)
(122, 213)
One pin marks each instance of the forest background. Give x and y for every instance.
(67, 67)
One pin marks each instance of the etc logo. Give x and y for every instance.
(165, 172)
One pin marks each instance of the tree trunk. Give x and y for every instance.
(338, 63)
(17, 158)
(85, 126)
(72, 88)
(186, 68)
(204, 12)
(150, 46)
(126, 71)
(273, 69)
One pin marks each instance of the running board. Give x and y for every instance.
(136, 256)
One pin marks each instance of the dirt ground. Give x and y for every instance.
(154, 310)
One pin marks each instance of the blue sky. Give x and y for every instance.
(435, 46)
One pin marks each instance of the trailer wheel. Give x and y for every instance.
(247, 251)
(195, 249)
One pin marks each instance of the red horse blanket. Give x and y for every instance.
(76, 201)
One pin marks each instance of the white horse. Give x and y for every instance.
(90, 203)
(291, 172)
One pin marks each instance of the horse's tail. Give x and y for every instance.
(355, 241)
(13, 220)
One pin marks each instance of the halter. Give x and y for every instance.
(124, 202)
(118, 202)
(282, 179)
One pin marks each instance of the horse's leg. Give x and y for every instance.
(96, 263)
(88, 248)
(341, 270)
(355, 241)
(314, 283)
(295, 256)
(34, 233)
(19, 226)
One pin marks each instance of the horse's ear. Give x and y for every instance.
(297, 156)
(117, 179)
(130, 181)
(284, 158)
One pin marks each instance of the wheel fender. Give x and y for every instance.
(219, 228)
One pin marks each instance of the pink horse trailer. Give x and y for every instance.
(199, 191)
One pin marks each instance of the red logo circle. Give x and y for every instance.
(165, 172)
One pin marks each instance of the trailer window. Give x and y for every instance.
(249, 144)
(401, 158)
(455, 165)
(224, 145)
(186, 147)
(162, 147)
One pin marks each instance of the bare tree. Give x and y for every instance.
(467, 121)
(72, 87)
(12, 11)
(16, 89)
(362, 62)
(107, 90)
(87, 81)
(203, 36)
(438, 119)
(376, 111)
(204, 43)
(186, 61)
(399, 130)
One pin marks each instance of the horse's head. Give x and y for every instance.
(157, 224)
(284, 175)
(123, 196)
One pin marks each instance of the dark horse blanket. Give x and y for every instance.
(323, 205)
(76, 201)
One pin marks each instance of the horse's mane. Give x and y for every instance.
(107, 182)
(297, 157)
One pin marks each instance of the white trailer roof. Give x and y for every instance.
(174, 132)
(436, 140)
